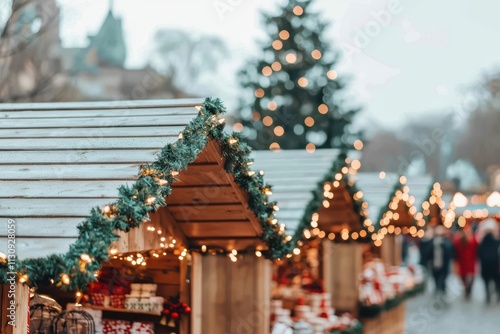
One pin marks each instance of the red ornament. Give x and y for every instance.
(175, 315)
(187, 310)
(166, 312)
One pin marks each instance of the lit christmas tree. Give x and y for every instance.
(297, 95)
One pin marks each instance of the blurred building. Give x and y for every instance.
(98, 70)
(34, 66)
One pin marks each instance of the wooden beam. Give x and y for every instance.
(197, 294)
(240, 244)
(218, 229)
(90, 122)
(207, 167)
(170, 224)
(202, 195)
(241, 195)
(185, 290)
(21, 311)
(208, 212)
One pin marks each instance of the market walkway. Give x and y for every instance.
(430, 315)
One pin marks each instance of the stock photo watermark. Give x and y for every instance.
(11, 273)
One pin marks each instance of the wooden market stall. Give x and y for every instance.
(326, 215)
(465, 209)
(397, 218)
(377, 188)
(388, 317)
(339, 215)
(193, 218)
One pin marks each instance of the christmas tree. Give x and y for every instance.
(296, 93)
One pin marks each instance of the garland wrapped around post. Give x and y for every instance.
(74, 269)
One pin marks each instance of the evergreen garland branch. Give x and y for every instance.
(317, 201)
(74, 269)
(397, 186)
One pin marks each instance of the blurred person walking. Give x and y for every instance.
(441, 255)
(425, 246)
(466, 245)
(488, 253)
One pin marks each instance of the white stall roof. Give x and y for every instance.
(294, 175)
(58, 160)
(376, 191)
(420, 189)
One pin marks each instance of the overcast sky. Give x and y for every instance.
(405, 57)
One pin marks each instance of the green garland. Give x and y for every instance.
(357, 328)
(317, 201)
(76, 268)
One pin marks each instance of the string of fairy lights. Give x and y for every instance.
(459, 200)
(400, 196)
(341, 178)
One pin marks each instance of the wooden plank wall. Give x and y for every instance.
(232, 297)
(140, 239)
(391, 249)
(389, 322)
(342, 265)
(21, 312)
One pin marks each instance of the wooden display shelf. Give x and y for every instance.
(120, 310)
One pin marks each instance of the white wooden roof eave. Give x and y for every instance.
(294, 175)
(58, 160)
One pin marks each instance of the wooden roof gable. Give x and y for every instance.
(311, 199)
(62, 161)
(421, 189)
(398, 215)
(294, 175)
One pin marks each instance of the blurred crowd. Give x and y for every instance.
(468, 251)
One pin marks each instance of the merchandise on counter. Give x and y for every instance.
(117, 301)
(143, 289)
(142, 328)
(315, 310)
(116, 327)
(385, 286)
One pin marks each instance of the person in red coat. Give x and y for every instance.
(466, 245)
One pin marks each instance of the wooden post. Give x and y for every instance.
(392, 250)
(185, 291)
(342, 263)
(234, 297)
(196, 293)
(17, 320)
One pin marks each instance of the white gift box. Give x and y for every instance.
(146, 304)
(131, 302)
(143, 290)
(156, 304)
